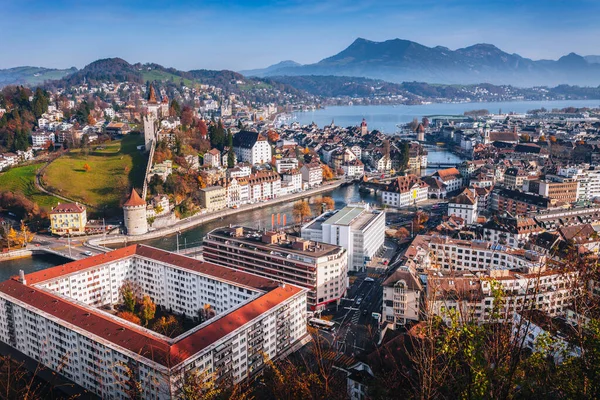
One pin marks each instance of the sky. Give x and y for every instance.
(244, 34)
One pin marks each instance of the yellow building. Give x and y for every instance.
(213, 198)
(68, 218)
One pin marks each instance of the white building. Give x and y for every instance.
(312, 175)
(56, 317)
(251, 147)
(212, 158)
(353, 169)
(401, 298)
(237, 192)
(321, 268)
(450, 177)
(41, 139)
(291, 181)
(464, 206)
(358, 229)
(588, 178)
(264, 185)
(285, 164)
(404, 191)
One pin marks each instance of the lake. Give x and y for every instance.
(385, 117)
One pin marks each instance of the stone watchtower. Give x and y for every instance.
(134, 213)
(151, 119)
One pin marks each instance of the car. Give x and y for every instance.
(368, 279)
(88, 253)
(359, 301)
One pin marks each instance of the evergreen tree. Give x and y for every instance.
(230, 158)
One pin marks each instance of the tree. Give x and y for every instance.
(386, 148)
(425, 122)
(91, 120)
(201, 182)
(25, 235)
(130, 293)
(174, 109)
(202, 128)
(129, 316)
(402, 233)
(168, 326)
(329, 202)
(413, 124)
(187, 116)
(87, 167)
(301, 210)
(230, 158)
(12, 237)
(147, 309)
(327, 173)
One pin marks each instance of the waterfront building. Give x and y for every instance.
(213, 198)
(404, 191)
(264, 185)
(68, 218)
(449, 177)
(61, 317)
(357, 228)
(319, 267)
(312, 174)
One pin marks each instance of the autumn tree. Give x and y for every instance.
(202, 128)
(187, 116)
(327, 173)
(91, 120)
(169, 326)
(130, 292)
(129, 316)
(402, 233)
(87, 167)
(147, 309)
(301, 210)
(328, 201)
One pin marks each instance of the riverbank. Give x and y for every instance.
(15, 254)
(197, 220)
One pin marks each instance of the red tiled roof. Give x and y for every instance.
(68, 208)
(403, 184)
(134, 200)
(135, 339)
(447, 173)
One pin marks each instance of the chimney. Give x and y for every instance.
(22, 277)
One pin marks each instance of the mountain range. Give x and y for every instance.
(400, 60)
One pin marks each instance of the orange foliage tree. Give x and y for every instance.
(327, 173)
(87, 167)
(129, 316)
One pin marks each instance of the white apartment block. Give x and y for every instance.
(358, 229)
(312, 175)
(588, 178)
(464, 206)
(54, 316)
(401, 298)
(319, 267)
(264, 185)
(40, 139)
(286, 164)
(251, 147)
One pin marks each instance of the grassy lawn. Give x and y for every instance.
(163, 76)
(22, 180)
(114, 168)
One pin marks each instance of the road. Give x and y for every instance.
(356, 330)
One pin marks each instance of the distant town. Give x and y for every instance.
(499, 239)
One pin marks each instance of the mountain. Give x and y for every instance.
(270, 70)
(400, 60)
(31, 76)
(592, 59)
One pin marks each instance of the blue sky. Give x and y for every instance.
(239, 34)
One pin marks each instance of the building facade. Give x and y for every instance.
(358, 229)
(58, 317)
(319, 267)
(68, 219)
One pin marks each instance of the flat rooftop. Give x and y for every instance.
(283, 242)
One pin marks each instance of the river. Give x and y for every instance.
(385, 117)
(260, 217)
(28, 265)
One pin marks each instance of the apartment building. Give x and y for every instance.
(588, 178)
(514, 178)
(312, 174)
(464, 206)
(357, 228)
(213, 198)
(68, 218)
(404, 191)
(557, 188)
(516, 202)
(509, 230)
(58, 317)
(450, 177)
(401, 298)
(319, 267)
(264, 185)
(478, 255)
(41, 139)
